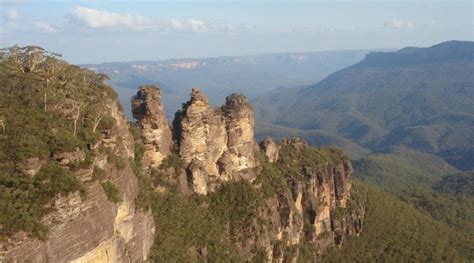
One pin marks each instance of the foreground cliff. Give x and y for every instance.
(219, 196)
(66, 185)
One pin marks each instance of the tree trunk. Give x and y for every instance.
(97, 121)
(45, 95)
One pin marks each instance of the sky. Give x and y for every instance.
(92, 31)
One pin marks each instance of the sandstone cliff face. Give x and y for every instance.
(201, 137)
(313, 210)
(239, 160)
(216, 144)
(155, 131)
(270, 148)
(94, 229)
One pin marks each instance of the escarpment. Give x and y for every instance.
(82, 184)
(311, 209)
(91, 227)
(67, 187)
(294, 196)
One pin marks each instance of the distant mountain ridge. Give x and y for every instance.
(251, 75)
(194, 63)
(416, 97)
(446, 51)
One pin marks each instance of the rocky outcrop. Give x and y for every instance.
(216, 144)
(201, 137)
(154, 128)
(312, 211)
(239, 160)
(91, 228)
(270, 148)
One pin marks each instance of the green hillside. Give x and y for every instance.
(426, 182)
(314, 137)
(395, 231)
(457, 184)
(402, 170)
(416, 97)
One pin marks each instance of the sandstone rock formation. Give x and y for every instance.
(155, 130)
(239, 160)
(86, 198)
(311, 210)
(216, 144)
(94, 229)
(270, 148)
(201, 138)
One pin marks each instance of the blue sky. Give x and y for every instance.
(97, 31)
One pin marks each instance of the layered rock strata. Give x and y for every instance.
(270, 148)
(216, 144)
(314, 210)
(94, 229)
(153, 125)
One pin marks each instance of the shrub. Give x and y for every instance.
(23, 199)
(98, 174)
(111, 192)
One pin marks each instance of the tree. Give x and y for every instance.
(50, 67)
(14, 56)
(34, 55)
(77, 116)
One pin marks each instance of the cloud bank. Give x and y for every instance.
(94, 18)
(99, 19)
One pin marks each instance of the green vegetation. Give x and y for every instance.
(173, 161)
(397, 232)
(455, 211)
(187, 229)
(117, 161)
(111, 192)
(424, 181)
(316, 138)
(207, 228)
(197, 228)
(457, 184)
(47, 108)
(194, 228)
(23, 199)
(421, 100)
(402, 170)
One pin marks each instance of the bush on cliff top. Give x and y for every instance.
(47, 107)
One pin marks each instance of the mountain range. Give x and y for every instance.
(250, 75)
(79, 182)
(420, 98)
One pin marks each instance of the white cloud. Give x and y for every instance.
(197, 25)
(102, 19)
(44, 27)
(99, 19)
(399, 24)
(190, 25)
